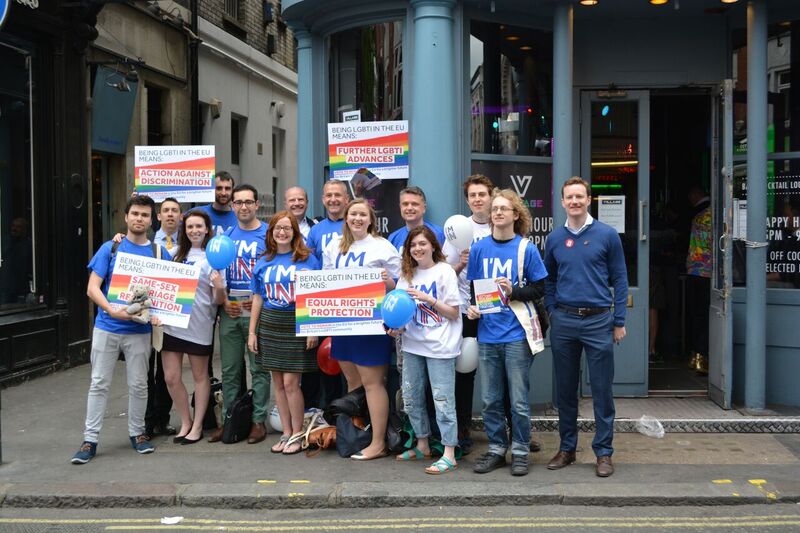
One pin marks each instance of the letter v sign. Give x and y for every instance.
(521, 184)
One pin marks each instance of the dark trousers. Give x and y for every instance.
(159, 402)
(570, 335)
(698, 301)
(319, 389)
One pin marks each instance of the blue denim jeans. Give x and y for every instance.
(512, 359)
(570, 335)
(417, 370)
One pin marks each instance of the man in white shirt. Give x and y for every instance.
(295, 200)
(169, 214)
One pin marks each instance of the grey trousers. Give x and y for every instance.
(106, 347)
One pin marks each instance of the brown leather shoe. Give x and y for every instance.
(560, 460)
(604, 466)
(216, 435)
(258, 432)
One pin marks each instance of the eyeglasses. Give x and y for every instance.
(248, 203)
(501, 208)
(284, 229)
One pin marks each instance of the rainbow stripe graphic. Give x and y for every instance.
(173, 298)
(389, 161)
(308, 316)
(190, 180)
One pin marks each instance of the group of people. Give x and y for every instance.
(253, 301)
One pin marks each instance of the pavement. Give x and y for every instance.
(42, 422)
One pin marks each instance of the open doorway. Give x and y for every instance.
(680, 158)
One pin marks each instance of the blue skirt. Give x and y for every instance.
(364, 350)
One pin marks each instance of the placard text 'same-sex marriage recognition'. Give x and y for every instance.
(171, 286)
(339, 302)
(185, 173)
(380, 147)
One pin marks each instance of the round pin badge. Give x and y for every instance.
(570, 243)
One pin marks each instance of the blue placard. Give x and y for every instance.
(113, 100)
(4, 7)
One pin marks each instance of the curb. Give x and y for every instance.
(383, 495)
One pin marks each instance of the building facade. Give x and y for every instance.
(646, 102)
(44, 184)
(248, 94)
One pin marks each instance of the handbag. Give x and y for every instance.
(354, 403)
(352, 435)
(397, 439)
(210, 418)
(526, 312)
(239, 419)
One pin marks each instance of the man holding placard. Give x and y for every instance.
(335, 199)
(234, 319)
(510, 262)
(222, 216)
(115, 332)
(413, 206)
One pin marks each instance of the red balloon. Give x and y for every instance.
(327, 364)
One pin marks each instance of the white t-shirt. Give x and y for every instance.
(479, 231)
(429, 334)
(204, 311)
(369, 252)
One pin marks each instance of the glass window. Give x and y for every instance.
(366, 72)
(783, 173)
(16, 230)
(366, 75)
(511, 80)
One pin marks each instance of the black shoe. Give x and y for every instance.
(488, 462)
(186, 442)
(160, 429)
(178, 440)
(519, 465)
(536, 446)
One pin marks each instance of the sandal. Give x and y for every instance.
(442, 466)
(280, 445)
(291, 442)
(412, 455)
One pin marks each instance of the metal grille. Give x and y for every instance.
(738, 425)
(232, 9)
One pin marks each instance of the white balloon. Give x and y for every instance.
(458, 232)
(468, 360)
(275, 419)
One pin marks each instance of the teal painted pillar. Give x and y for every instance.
(433, 124)
(756, 293)
(562, 106)
(307, 163)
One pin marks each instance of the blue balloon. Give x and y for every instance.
(220, 252)
(398, 309)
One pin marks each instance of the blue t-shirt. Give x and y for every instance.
(249, 247)
(221, 221)
(489, 259)
(102, 264)
(321, 234)
(274, 279)
(398, 237)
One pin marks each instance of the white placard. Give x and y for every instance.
(611, 210)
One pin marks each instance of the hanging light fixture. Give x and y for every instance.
(659, 2)
(589, 2)
(728, 1)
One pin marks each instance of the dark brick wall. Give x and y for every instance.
(250, 27)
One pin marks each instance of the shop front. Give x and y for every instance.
(656, 105)
(44, 313)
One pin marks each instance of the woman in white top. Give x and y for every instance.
(364, 359)
(431, 343)
(196, 340)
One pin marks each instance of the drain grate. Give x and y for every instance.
(736, 425)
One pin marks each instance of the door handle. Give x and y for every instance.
(642, 233)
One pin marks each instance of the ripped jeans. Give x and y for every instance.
(442, 375)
